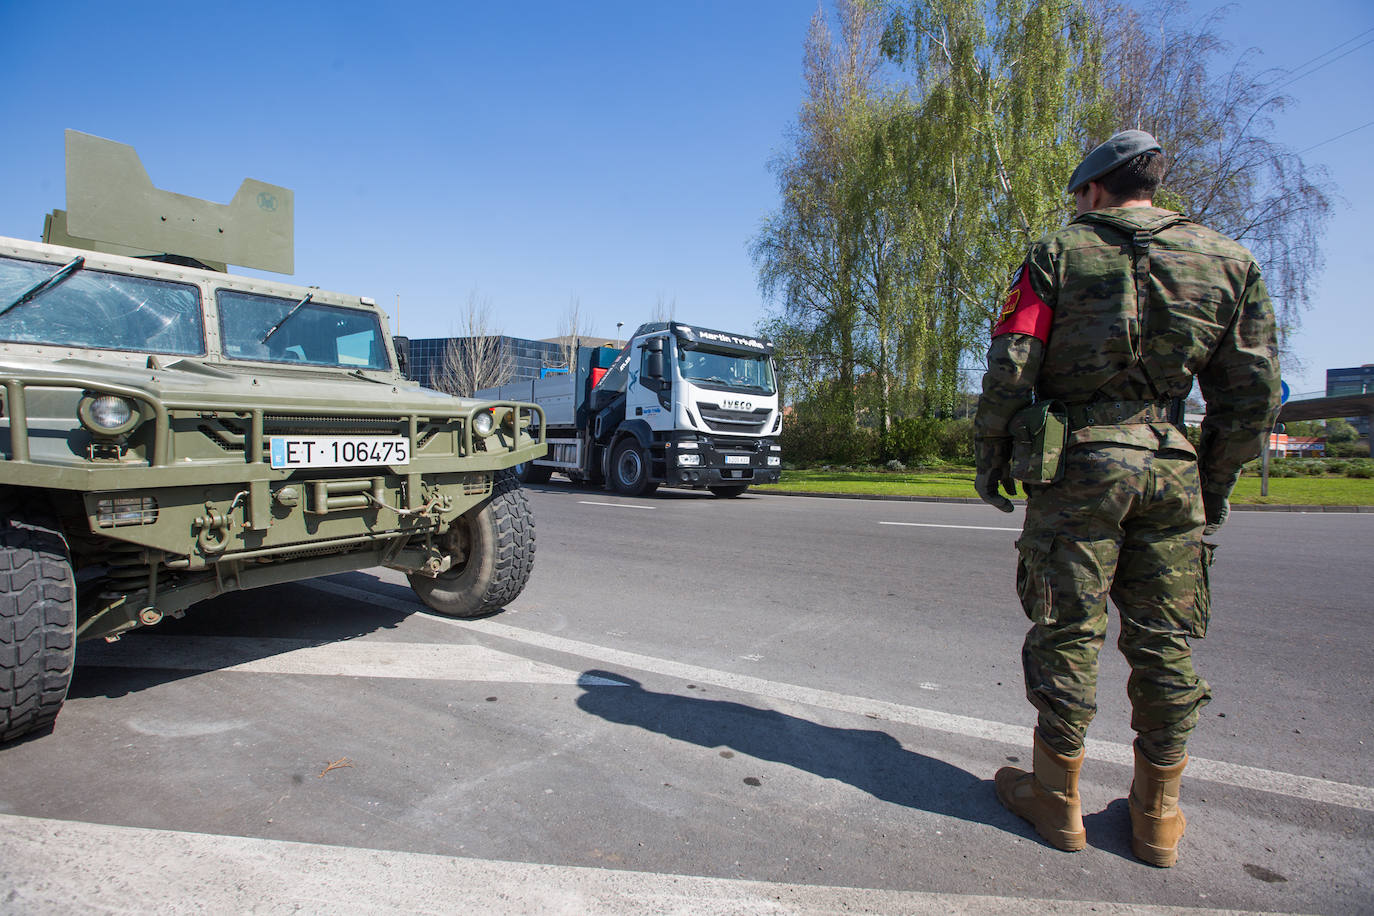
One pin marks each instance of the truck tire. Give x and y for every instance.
(37, 618)
(630, 470)
(729, 492)
(529, 472)
(498, 543)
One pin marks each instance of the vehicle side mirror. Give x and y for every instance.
(655, 365)
(402, 347)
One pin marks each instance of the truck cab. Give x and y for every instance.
(679, 405)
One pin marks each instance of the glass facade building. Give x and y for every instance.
(527, 357)
(1356, 380)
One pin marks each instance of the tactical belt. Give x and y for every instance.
(1120, 413)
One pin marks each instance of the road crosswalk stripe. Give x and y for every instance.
(348, 658)
(1246, 777)
(50, 864)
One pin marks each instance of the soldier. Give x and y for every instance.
(1107, 323)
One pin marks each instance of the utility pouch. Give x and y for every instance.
(1039, 434)
(1202, 591)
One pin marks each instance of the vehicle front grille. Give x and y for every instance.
(231, 433)
(719, 420)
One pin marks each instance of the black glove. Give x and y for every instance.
(1216, 507)
(993, 456)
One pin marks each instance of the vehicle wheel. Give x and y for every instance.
(497, 544)
(729, 492)
(37, 618)
(630, 470)
(529, 472)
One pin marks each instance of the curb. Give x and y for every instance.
(1235, 507)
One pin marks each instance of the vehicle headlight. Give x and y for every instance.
(107, 414)
(690, 461)
(483, 423)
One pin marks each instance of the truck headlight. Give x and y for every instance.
(483, 423)
(688, 461)
(107, 414)
(774, 461)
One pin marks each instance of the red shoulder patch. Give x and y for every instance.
(1024, 312)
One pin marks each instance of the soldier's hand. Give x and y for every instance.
(1215, 507)
(993, 455)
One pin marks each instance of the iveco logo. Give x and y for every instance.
(737, 405)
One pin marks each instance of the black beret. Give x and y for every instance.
(1118, 150)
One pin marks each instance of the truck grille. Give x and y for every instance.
(719, 420)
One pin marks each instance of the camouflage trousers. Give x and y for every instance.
(1125, 522)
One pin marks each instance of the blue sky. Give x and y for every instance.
(610, 152)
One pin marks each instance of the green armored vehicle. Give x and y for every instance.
(170, 432)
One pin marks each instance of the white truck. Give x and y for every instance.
(679, 405)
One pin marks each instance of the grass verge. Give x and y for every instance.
(954, 482)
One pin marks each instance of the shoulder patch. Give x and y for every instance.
(1023, 312)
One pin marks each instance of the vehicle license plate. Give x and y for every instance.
(736, 459)
(338, 451)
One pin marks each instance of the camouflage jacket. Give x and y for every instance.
(1129, 305)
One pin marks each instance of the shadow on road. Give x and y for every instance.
(243, 627)
(867, 759)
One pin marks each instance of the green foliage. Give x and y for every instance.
(1340, 432)
(1347, 450)
(1305, 428)
(1361, 469)
(913, 440)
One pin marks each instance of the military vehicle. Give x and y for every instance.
(170, 432)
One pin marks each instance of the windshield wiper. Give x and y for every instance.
(47, 283)
(287, 317)
(358, 373)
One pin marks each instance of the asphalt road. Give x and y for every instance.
(767, 704)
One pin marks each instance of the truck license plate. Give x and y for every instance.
(736, 459)
(338, 451)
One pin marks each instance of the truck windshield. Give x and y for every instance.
(100, 311)
(730, 371)
(254, 326)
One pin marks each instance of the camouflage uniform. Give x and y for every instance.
(1114, 315)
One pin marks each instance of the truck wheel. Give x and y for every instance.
(729, 492)
(529, 472)
(630, 470)
(498, 544)
(37, 619)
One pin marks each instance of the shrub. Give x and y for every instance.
(1361, 469)
(912, 439)
(956, 441)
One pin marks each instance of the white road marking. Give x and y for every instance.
(350, 658)
(52, 866)
(1245, 777)
(588, 502)
(960, 527)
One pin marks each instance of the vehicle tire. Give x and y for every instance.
(37, 618)
(630, 470)
(529, 472)
(498, 544)
(729, 492)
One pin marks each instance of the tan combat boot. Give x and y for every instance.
(1047, 797)
(1156, 821)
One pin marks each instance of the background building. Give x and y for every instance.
(526, 357)
(1356, 380)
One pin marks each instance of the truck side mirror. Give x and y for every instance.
(655, 365)
(402, 347)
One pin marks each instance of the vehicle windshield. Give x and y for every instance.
(730, 371)
(255, 327)
(100, 311)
